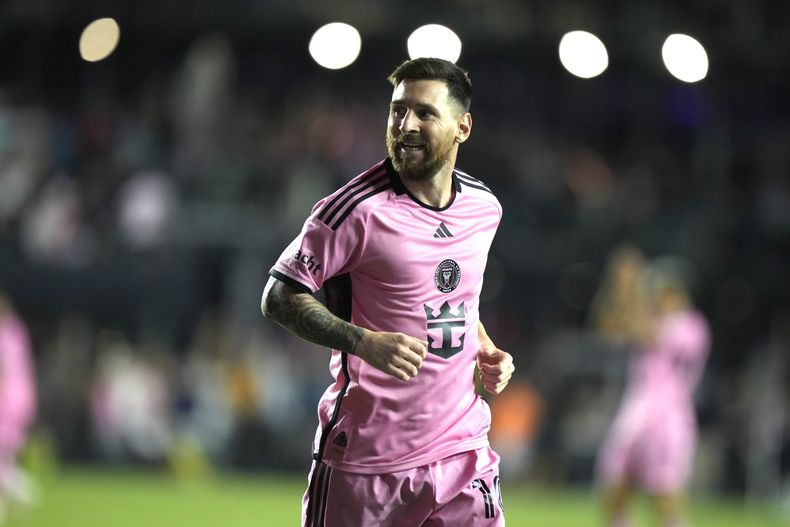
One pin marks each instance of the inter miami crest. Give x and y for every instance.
(447, 276)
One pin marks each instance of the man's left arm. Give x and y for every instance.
(496, 366)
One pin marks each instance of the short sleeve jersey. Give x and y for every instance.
(17, 386)
(388, 262)
(668, 371)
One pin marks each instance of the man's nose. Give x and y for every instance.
(409, 123)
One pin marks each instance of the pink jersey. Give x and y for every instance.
(390, 263)
(667, 372)
(17, 385)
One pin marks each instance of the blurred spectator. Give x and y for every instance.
(54, 230)
(146, 209)
(130, 405)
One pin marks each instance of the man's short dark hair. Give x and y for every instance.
(458, 83)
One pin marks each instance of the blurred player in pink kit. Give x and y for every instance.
(651, 443)
(400, 252)
(17, 405)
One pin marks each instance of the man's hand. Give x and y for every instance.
(496, 368)
(393, 353)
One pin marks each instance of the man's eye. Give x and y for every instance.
(399, 112)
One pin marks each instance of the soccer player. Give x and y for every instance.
(17, 406)
(400, 252)
(651, 443)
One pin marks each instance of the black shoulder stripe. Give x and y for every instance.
(351, 195)
(469, 181)
(372, 174)
(359, 200)
(479, 187)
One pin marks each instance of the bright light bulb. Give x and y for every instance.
(434, 40)
(685, 58)
(583, 54)
(335, 46)
(98, 39)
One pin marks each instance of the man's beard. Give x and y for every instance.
(433, 159)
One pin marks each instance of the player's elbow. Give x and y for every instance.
(269, 300)
(265, 308)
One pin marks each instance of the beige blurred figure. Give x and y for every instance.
(618, 308)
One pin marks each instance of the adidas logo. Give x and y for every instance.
(443, 232)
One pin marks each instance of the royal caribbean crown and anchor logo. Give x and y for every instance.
(446, 320)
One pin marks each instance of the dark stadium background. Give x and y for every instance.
(219, 107)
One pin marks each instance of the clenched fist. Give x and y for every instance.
(496, 368)
(396, 354)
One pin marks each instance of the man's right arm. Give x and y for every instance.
(306, 317)
(300, 313)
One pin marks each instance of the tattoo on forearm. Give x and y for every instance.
(308, 318)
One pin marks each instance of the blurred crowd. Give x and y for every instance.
(139, 219)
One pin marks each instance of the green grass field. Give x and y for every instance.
(112, 498)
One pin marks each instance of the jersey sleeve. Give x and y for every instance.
(319, 253)
(688, 336)
(687, 339)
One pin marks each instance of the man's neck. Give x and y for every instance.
(437, 191)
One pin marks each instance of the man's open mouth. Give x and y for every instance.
(412, 147)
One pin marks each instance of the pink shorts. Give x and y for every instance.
(462, 490)
(12, 436)
(655, 456)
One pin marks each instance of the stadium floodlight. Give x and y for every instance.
(99, 39)
(685, 58)
(434, 40)
(335, 46)
(583, 54)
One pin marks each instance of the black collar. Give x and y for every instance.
(400, 188)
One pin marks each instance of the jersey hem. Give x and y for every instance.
(406, 465)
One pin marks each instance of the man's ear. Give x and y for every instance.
(464, 127)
